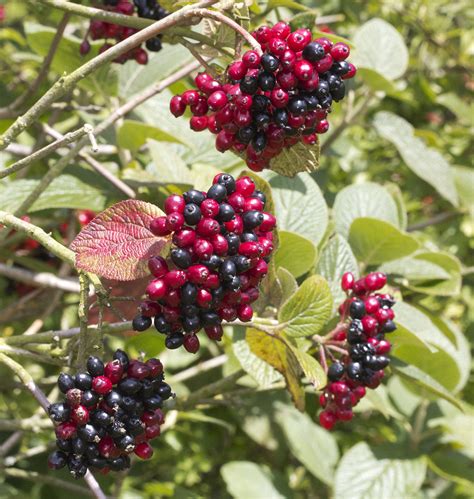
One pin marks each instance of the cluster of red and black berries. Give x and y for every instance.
(272, 101)
(110, 32)
(367, 317)
(222, 242)
(108, 412)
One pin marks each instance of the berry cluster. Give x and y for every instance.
(98, 30)
(273, 101)
(222, 241)
(365, 317)
(109, 412)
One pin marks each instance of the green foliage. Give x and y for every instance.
(394, 191)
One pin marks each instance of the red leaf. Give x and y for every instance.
(117, 243)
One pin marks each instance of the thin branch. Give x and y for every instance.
(44, 69)
(436, 219)
(34, 424)
(200, 368)
(10, 442)
(39, 235)
(83, 318)
(66, 83)
(115, 181)
(94, 486)
(45, 151)
(41, 279)
(37, 357)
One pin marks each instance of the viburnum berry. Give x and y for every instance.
(366, 317)
(287, 91)
(221, 251)
(149, 9)
(124, 416)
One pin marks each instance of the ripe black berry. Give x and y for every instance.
(269, 62)
(57, 460)
(95, 366)
(217, 192)
(192, 214)
(335, 371)
(313, 52)
(141, 323)
(65, 382)
(249, 85)
(181, 258)
(174, 341)
(59, 412)
(83, 381)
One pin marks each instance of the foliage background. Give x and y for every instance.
(405, 441)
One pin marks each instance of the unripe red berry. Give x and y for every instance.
(383, 347)
(327, 420)
(204, 298)
(114, 371)
(322, 126)
(340, 51)
(198, 123)
(197, 274)
(347, 281)
(269, 222)
(375, 281)
(138, 370)
(326, 44)
(144, 450)
(224, 141)
(217, 100)
(158, 266)
(324, 64)
(371, 305)
(281, 30)
(80, 415)
(177, 106)
(175, 278)
(158, 227)
(351, 73)
(141, 56)
(184, 238)
(174, 221)
(152, 431)
(245, 186)
(244, 313)
(236, 225)
(190, 97)
(277, 46)
(156, 289)
(102, 385)
(303, 70)
(201, 80)
(174, 203)
(65, 431)
(369, 324)
(287, 81)
(237, 70)
(212, 282)
(220, 244)
(263, 34)
(214, 332)
(250, 249)
(298, 40)
(208, 227)
(200, 108)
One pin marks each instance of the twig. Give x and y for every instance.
(45, 151)
(192, 48)
(41, 279)
(49, 336)
(10, 442)
(322, 358)
(209, 391)
(34, 424)
(37, 357)
(67, 83)
(119, 184)
(436, 219)
(83, 314)
(39, 235)
(94, 486)
(200, 368)
(41, 478)
(44, 69)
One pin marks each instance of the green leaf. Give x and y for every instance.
(336, 259)
(444, 358)
(397, 196)
(167, 166)
(424, 161)
(296, 159)
(417, 377)
(134, 77)
(376, 81)
(374, 241)
(262, 372)
(245, 480)
(133, 134)
(300, 206)
(379, 46)
(65, 191)
(462, 110)
(313, 446)
(464, 179)
(432, 273)
(361, 474)
(453, 466)
(308, 310)
(363, 200)
(275, 351)
(288, 283)
(296, 253)
(311, 368)
(291, 4)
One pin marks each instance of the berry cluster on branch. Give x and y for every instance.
(110, 32)
(108, 412)
(222, 242)
(366, 317)
(271, 101)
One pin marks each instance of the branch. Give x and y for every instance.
(436, 219)
(39, 235)
(43, 72)
(45, 151)
(122, 186)
(66, 83)
(37, 357)
(200, 368)
(40, 279)
(82, 313)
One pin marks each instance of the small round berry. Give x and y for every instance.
(251, 59)
(313, 52)
(141, 323)
(57, 460)
(217, 100)
(157, 266)
(65, 382)
(159, 227)
(144, 450)
(156, 289)
(340, 51)
(191, 343)
(327, 420)
(336, 371)
(198, 123)
(214, 332)
(347, 281)
(102, 385)
(192, 214)
(357, 309)
(177, 106)
(369, 324)
(303, 70)
(237, 70)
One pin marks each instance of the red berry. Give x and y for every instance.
(208, 227)
(245, 313)
(191, 343)
(236, 225)
(236, 70)
(174, 221)
(371, 305)
(298, 40)
(322, 126)
(158, 266)
(156, 289)
(326, 43)
(287, 81)
(80, 415)
(251, 59)
(351, 73)
(202, 80)
(279, 98)
(107, 448)
(184, 238)
(245, 186)
(152, 431)
(303, 70)
(243, 102)
(324, 64)
(114, 371)
(217, 100)
(214, 332)
(277, 46)
(383, 347)
(220, 244)
(197, 274)
(269, 222)
(212, 282)
(382, 315)
(198, 123)
(375, 281)
(190, 97)
(369, 324)
(347, 281)
(65, 431)
(175, 278)
(327, 420)
(158, 227)
(141, 56)
(224, 141)
(263, 34)
(177, 106)
(204, 298)
(203, 249)
(144, 450)
(102, 385)
(85, 47)
(340, 51)
(281, 30)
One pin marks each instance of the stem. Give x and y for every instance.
(82, 313)
(45, 151)
(66, 83)
(436, 219)
(33, 423)
(43, 72)
(39, 235)
(37, 357)
(210, 390)
(200, 368)
(41, 279)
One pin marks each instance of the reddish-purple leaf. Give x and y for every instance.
(118, 242)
